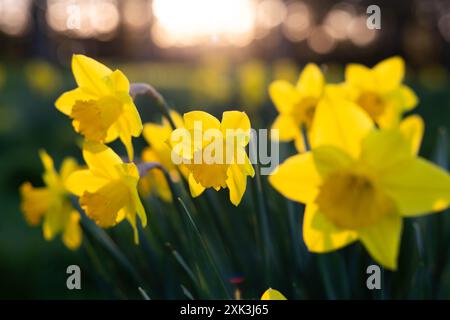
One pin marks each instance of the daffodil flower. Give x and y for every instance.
(101, 108)
(51, 204)
(158, 136)
(272, 294)
(379, 91)
(107, 190)
(358, 183)
(297, 104)
(225, 141)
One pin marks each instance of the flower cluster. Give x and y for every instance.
(357, 169)
(107, 188)
(362, 175)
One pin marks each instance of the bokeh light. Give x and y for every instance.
(83, 18)
(188, 23)
(14, 16)
(321, 41)
(298, 22)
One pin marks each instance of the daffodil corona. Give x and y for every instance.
(108, 188)
(52, 204)
(101, 108)
(359, 182)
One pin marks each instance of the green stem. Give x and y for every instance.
(268, 254)
(102, 237)
(205, 248)
(146, 89)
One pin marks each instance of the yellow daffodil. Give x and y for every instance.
(52, 205)
(101, 107)
(214, 152)
(108, 188)
(272, 294)
(296, 104)
(159, 151)
(379, 91)
(358, 183)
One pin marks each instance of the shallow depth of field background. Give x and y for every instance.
(195, 67)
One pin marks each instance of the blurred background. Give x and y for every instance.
(200, 54)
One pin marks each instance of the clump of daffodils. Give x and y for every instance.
(107, 188)
(362, 175)
(357, 169)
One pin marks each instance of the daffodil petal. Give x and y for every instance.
(139, 207)
(272, 294)
(131, 217)
(55, 218)
(417, 187)
(359, 76)
(328, 159)
(84, 180)
(389, 73)
(384, 149)
(195, 187)
(68, 166)
(127, 142)
(237, 124)
(287, 127)
(47, 161)
(235, 120)
(119, 82)
(311, 82)
(100, 159)
(299, 142)
(206, 120)
(177, 119)
(341, 124)
(383, 240)
(133, 119)
(35, 202)
(156, 135)
(320, 235)
(67, 100)
(72, 235)
(90, 75)
(284, 95)
(111, 134)
(407, 98)
(297, 178)
(412, 128)
(236, 183)
(50, 175)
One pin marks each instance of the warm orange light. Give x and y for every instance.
(194, 22)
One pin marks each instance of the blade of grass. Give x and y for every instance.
(206, 250)
(267, 249)
(105, 241)
(183, 264)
